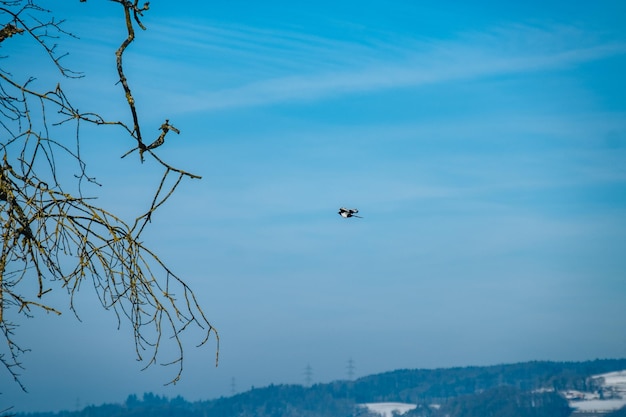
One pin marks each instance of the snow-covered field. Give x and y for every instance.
(387, 409)
(598, 405)
(613, 392)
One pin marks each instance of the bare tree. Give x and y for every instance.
(56, 238)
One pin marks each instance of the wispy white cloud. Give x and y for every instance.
(194, 66)
(282, 67)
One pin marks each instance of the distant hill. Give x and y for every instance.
(529, 389)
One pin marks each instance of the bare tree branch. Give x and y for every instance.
(55, 239)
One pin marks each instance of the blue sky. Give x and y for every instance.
(484, 145)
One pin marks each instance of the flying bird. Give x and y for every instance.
(345, 213)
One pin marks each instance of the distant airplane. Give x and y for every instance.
(345, 213)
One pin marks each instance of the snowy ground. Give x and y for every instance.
(387, 409)
(597, 405)
(614, 393)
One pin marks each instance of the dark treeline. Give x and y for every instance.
(505, 401)
(529, 389)
(416, 386)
